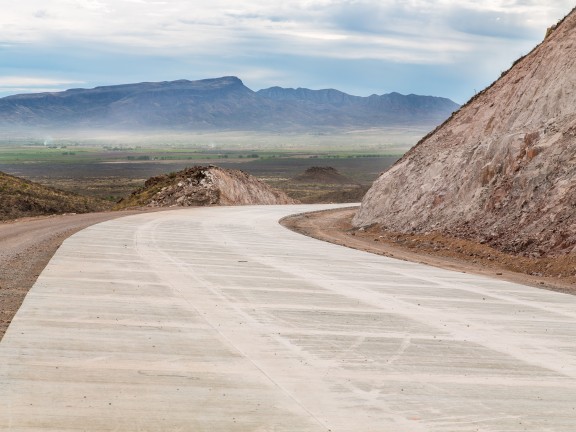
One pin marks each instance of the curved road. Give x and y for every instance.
(219, 319)
(26, 246)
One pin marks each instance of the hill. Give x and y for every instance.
(219, 103)
(204, 186)
(501, 170)
(21, 198)
(322, 175)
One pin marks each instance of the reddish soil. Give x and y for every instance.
(334, 226)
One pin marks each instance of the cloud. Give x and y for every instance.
(115, 41)
(25, 81)
(41, 13)
(6, 91)
(27, 84)
(223, 25)
(447, 18)
(515, 23)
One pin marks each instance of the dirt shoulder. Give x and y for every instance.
(26, 246)
(334, 226)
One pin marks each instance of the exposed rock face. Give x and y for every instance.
(204, 186)
(322, 175)
(502, 169)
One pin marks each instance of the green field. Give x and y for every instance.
(384, 140)
(112, 165)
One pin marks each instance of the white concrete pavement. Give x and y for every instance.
(219, 319)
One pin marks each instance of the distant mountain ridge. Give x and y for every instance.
(217, 103)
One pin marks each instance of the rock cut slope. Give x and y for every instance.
(205, 186)
(502, 169)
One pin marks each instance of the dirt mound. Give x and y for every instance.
(204, 186)
(328, 194)
(322, 175)
(22, 198)
(344, 195)
(501, 170)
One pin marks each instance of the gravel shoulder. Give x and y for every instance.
(334, 226)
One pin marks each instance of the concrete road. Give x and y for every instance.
(219, 319)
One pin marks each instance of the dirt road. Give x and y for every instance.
(26, 246)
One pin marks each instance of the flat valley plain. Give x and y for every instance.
(112, 165)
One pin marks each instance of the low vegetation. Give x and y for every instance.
(110, 167)
(22, 198)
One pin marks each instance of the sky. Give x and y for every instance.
(449, 48)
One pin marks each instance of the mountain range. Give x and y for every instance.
(219, 103)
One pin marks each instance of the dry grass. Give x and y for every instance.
(21, 198)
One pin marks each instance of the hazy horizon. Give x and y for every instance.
(444, 48)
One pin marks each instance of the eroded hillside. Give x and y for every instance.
(501, 170)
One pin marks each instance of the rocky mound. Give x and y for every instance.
(21, 198)
(501, 170)
(322, 175)
(204, 186)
